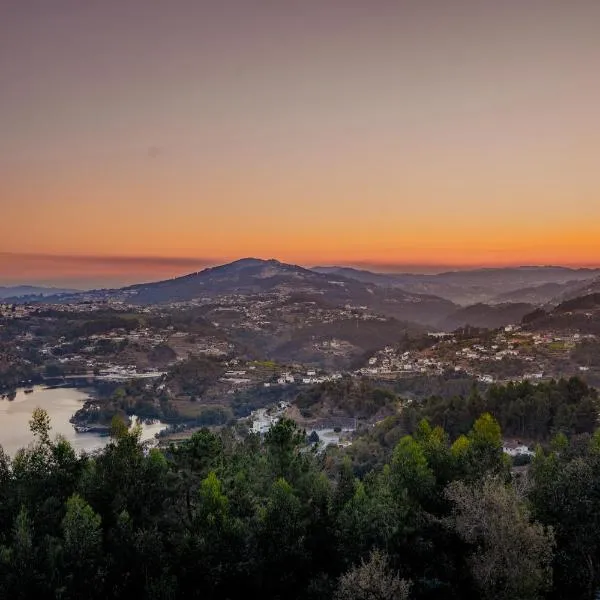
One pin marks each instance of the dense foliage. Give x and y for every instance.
(346, 397)
(523, 409)
(194, 376)
(223, 516)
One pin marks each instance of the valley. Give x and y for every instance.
(213, 347)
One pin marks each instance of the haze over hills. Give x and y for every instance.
(578, 289)
(21, 291)
(250, 276)
(491, 285)
(486, 316)
(552, 294)
(482, 297)
(538, 294)
(579, 314)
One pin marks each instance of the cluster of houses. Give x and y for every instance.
(274, 311)
(308, 378)
(15, 311)
(389, 361)
(476, 358)
(513, 449)
(242, 374)
(263, 419)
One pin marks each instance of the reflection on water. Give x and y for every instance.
(60, 404)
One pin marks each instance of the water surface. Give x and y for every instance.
(60, 404)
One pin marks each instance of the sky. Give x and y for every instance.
(144, 139)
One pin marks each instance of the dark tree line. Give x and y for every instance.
(224, 516)
(523, 409)
(348, 397)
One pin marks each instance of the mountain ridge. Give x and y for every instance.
(20, 291)
(249, 276)
(467, 287)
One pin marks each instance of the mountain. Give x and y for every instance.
(244, 276)
(582, 303)
(250, 276)
(253, 276)
(31, 291)
(538, 294)
(487, 316)
(385, 279)
(577, 289)
(409, 282)
(552, 294)
(471, 286)
(576, 315)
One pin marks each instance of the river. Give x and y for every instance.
(60, 404)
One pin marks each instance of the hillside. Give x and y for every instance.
(486, 316)
(254, 277)
(552, 294)
(31, 292)
(473, 286)
(578, 315)
(578, 289)
(338, 344)
(300, 329)
(583, 303)
(538, 294)
(385, 279)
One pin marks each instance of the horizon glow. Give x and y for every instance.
(420, 135)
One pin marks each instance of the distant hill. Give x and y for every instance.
(244, 276)
(425, 299)
(411, 282)
(389, 279)
(577, 289)
(251, 276)
(585, 303)
(487, 316)
(552, 294)
(31, 291)
(580, 315)
(538, 294)
(312, 345)
(472, 286)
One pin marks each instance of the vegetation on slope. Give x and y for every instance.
(534, 412)
(224, 517)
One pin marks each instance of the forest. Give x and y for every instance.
(231, 515)
(523, 409)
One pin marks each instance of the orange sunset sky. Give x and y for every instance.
(143, 139)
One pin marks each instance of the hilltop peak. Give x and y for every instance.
(251, 261)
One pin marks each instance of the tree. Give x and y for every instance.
(372, 580)
(282, 442)
(485, 448)
(54, 370)
(565, 495)
(82, 549)
(346, 486)
(410, 473)
(230, 515)
(281, 542)
(511, 556)
(18, 561)
(118, 428)
(39, 425)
